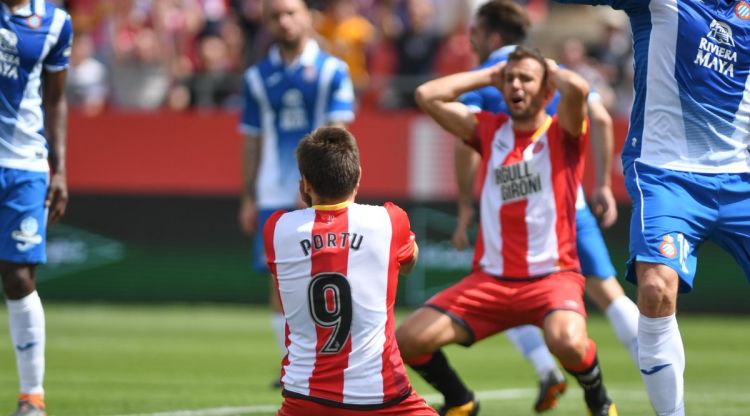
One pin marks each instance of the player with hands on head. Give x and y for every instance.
(528, 272)
(498, 26)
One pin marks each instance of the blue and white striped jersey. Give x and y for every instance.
(35, 38)
(283, 104)
(692, 97)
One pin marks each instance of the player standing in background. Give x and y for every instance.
(35, 43)
(295, 89)
(686, 164)
(499, 25)
(528, 269)
(336, 267)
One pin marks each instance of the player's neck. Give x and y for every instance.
(290, 53)
(331, 203)
(14, 5)
(530, 124)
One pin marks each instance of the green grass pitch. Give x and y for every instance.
(220, 360)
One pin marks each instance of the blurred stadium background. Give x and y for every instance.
(149, 282)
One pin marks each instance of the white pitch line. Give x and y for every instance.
(487, 395)
(218, 411)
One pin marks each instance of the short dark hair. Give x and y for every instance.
(505, 17)
(522, 52)
(328, 158)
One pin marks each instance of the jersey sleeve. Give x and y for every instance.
(58, 57)
(340, 107)
(402, 238)
(484, 131)
(474, 100)
(269, 230)
(250, 119)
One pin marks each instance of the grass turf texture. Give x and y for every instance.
(122, 360)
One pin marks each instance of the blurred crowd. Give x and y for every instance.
(190, 54)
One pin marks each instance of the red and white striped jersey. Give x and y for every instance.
(336, 269)
(528, 197)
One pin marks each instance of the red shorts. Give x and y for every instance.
(486, 305)
(413, 405)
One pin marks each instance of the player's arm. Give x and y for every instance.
(407, 267)
(571, 111)
(465, 165)
(250, 125)
(602, 142)
(251, 150)
(56, 127)
(438, 99)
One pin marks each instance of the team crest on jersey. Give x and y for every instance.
(742, 10)
(26, 235)
(667, 248)
(538, 147)
(34, 21)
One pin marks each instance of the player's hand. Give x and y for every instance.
(57, 197)
(248, 216)
(604, 206)
(497, 75)
(460, 238)
(552, 68)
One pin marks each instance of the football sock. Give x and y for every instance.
(589, 377)
(26, 322)
(444, 379)
(661, 358)
(529, 341)
(279, 331)
(623, 315)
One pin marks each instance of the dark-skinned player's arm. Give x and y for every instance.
(56, 129)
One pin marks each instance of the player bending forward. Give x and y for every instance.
(336, 267)
(529, 271)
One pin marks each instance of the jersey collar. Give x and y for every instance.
(334, 207)
(306, 58)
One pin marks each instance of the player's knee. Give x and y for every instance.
(655, 295)
(413, 341)
(568, 346)
(18, 280)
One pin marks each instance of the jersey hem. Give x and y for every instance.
(505, 278)
(30, 167)
(326, 402)
(735, 167)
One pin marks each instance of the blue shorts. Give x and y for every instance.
(259, 252)
(674, 212)
(592, 251)
(23, 218)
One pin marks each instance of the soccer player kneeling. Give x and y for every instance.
(336, 267)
